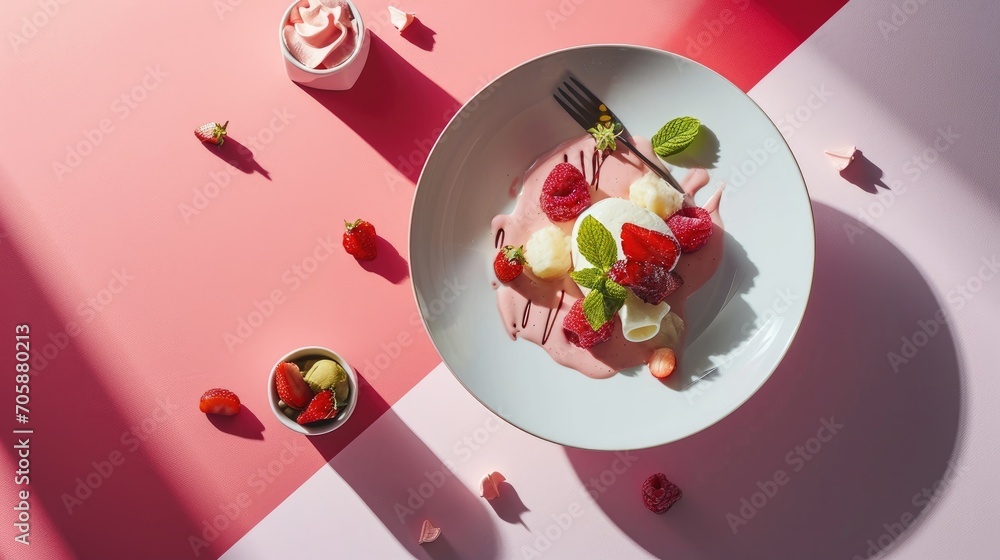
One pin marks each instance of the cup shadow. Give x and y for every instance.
(872, 482)
(394, 107)
(403, 483)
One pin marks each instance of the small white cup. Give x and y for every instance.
(319, 428)
(340, 77)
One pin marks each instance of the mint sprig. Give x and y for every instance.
(596, 243)
(606, 296)
(590, 278)
(675, 136)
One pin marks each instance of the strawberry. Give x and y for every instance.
(321, 407)
(649, 282)
(692, 226)
(662, 363)
(509, 263)
(219, 401)
(212, 133)
(579, 331)
(659, 494)
(359, 240)
(292, 387)
(646, 245)
(565, 193)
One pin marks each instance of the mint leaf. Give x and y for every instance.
(595, 310)
(615, 292)
(603, 302)
(588, 278)
(675, 136)
(597, 244)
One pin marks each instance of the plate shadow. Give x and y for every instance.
(863, 443)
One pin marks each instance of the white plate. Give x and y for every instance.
(765, 275)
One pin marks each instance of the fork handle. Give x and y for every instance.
(655, 168)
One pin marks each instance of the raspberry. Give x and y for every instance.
(692, 226)
(565, 193)
(659, 494)
(649, 282)
(579, 331)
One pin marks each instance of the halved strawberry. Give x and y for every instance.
(219, 401)
(292, 387)
(321, 407)
(646, 245)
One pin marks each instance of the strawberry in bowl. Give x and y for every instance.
(312, 390)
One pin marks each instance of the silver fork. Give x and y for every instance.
(588, 111)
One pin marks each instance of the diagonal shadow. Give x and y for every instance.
(90, 472)
(861, 491)
(403, 482)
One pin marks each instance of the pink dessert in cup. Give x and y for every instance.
(320, 34)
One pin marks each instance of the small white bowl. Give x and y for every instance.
(340, 77)
(318, 428)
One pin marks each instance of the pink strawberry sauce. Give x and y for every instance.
(533, 309)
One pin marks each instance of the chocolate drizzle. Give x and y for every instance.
(583, 166)
(524, 316)
(597, 161)
(550, 318)
(500, 238)
(565, 158)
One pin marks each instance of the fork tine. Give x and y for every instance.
(576, 102)
(595, 101)
(576, 117)
(591, 111)
(586, 95)
(588, 115)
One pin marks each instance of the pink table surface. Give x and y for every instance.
(150, 268)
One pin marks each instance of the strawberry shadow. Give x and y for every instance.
(245, 424)
(509, 506)
(237, 155)
(389, 264)
(864, 174)
(420, 35)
